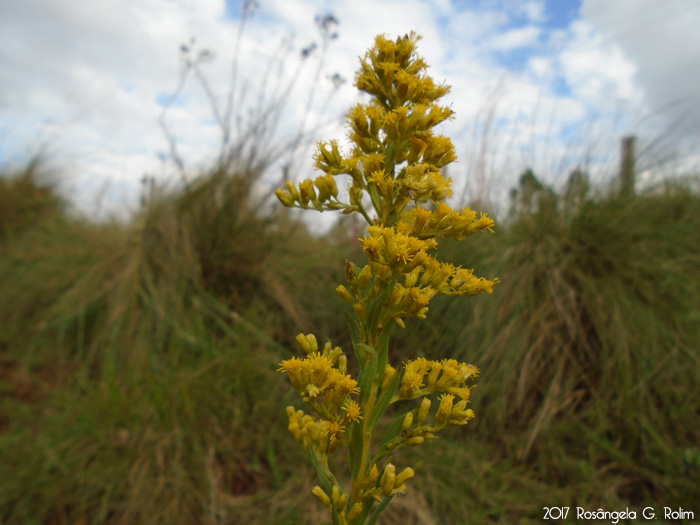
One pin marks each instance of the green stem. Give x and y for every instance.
(362, 211)
(366, 442)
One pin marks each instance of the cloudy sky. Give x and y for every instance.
(547, 84)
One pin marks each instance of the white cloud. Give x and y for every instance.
(597, 71)
(514, 39)
(662, 40)
(84, 77)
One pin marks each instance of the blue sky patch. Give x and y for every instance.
(232, 8)
(560, 13)
(163, 98)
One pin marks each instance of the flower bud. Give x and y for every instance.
(424, 410)
(334, 353)
(435, 369)
(312, 342)
(335, 493)
(285, 197)
(345, 294)
(293, 190)
(389, 373)
(355, 511)
(364, 277)
(350, 272)
(373, 476)
(459, 408)
(445, 409)
(356, 194)
(405, 475)
(388, 479)
(331, 185)
(416, 440)
(411, 278)
(322, 187)
(359, 311)
(308, 343)
(301, 339)
(342, 502)
(321, 494)
(306, 192)
(407, 421)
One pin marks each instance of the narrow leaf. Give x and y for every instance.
(378, 511)
(371, 351)
(384, 400)
(377, 306)
(366, 509)
(321, 472)
(367, 380)
(355, 449)
(354, 329)
(393, 430)
(383, 346)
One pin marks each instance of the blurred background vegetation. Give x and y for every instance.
(137, 361)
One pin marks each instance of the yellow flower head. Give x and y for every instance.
(352, 411)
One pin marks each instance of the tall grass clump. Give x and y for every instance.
(163, 334)
(594, 338)
(26, 198)
(135, 359)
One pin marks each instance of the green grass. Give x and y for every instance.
(137, 362)
(589, 349)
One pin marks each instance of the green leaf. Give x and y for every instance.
(383, 346)
(367, 380)
(389, 157)
(371, 351)
(366, 508)
(321, 472)
(378, 511)
(354, 329)
(393, 430)
(355, 449)
(271, 457)
(384, 400)
(374, 195)
(334, 515)
(377, 306)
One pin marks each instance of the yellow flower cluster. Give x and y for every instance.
(376, 487)
(323, 435)
(320, 194)
(315, 378)
(322, 380)
(397, 159)
(422, 377)
(415, 430)
(393, 255)
(392, 73)
(443, 222)
(396, 182)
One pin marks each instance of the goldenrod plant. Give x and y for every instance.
(396, 184)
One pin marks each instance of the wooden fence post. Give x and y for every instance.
(627, 167)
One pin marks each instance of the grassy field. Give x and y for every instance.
(137, 362)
